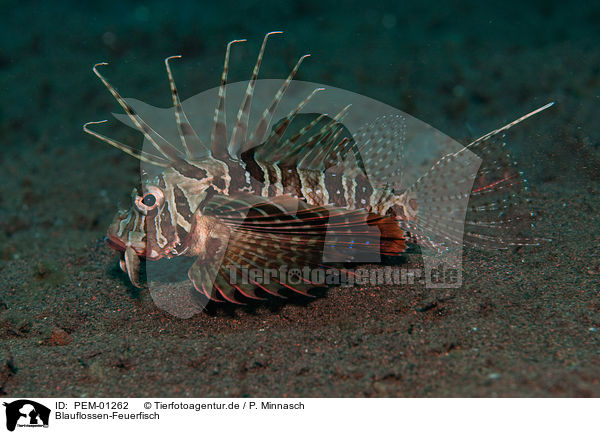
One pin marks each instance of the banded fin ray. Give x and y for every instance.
(218, 136)
(190, 141)
(158, 141)
(240, 130)
(312, 141)
(262, 125)
(273, 141)
(140, 155)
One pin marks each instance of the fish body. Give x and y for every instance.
(259, 199)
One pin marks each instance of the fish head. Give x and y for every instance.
(128, 232)
(129, 228)
(162, 213)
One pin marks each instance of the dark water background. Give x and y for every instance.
(463, 67)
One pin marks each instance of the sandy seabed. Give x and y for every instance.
(524, 323)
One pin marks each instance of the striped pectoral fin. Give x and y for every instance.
(203, 275)
(234, 279)
(273, 252)
(256, 261)
(225, 289)
(270, 235)
(208, 239)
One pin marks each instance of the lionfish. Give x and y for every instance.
(260, 199)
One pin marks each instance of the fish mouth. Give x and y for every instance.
(118, 244)
(115, 243)
(130, 257)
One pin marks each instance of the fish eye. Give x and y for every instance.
(149, 200)
(152, 198)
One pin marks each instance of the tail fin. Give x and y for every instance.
(476, 198)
